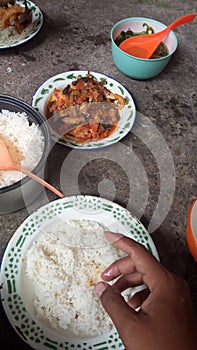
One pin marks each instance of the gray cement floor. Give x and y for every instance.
(76, 35)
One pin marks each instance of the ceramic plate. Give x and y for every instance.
(15, 301)
(37, 21)
(127, 114)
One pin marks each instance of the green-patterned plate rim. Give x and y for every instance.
(37, 22)
(127, 114)
(14, 301)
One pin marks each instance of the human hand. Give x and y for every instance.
(165, 320)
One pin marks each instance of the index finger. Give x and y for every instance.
(142, 261)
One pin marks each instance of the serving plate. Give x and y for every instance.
(17, 302)
(37, 22)
(127, 114)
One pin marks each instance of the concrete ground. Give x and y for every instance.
(76, 36)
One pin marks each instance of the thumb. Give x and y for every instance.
(116, 306)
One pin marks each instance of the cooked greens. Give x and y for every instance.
(125, 35)
(162, 49)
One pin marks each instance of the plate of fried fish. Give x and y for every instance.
(85, 110)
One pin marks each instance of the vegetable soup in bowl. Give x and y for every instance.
(135, 67)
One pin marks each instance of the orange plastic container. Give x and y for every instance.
(191, 232)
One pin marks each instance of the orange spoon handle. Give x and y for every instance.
(179, 22)
(41, 181)
(6, 163)
(182, 20)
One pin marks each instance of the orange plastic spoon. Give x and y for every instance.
(144, 46)
(6, 163)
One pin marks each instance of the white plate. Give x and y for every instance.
(37, 22)
(127, 114)
(16, 303)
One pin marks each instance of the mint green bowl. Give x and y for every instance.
(139, 68)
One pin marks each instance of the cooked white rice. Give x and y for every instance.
(64, 264)
(9, 35)
(25, 143)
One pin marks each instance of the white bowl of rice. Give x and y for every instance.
(27, 138)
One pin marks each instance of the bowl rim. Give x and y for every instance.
(131, 19)
(35, 115)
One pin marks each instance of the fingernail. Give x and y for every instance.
(112, 236)
(108, 273)
(100, 288)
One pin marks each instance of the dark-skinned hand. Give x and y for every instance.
(158, 318)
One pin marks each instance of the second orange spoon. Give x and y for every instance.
(6, 163)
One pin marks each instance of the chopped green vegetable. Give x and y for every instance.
(125, 35)
(161, 51)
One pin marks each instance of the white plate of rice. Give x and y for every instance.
(9, 36)
(51, 265)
